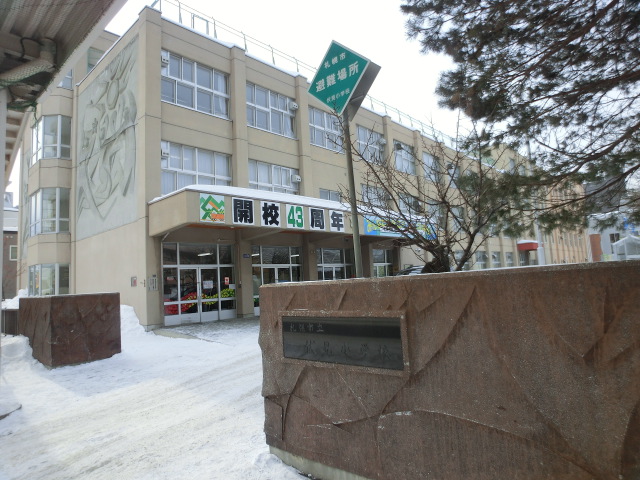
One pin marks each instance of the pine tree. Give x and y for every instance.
(558, 79)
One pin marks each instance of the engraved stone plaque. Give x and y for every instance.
(362, 341)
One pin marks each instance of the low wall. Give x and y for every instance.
(525, 373)
(69, 329)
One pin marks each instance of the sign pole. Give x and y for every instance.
(355, 223)
(342, 83)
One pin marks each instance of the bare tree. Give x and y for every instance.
(447, 197)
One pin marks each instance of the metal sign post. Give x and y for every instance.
(342, 83)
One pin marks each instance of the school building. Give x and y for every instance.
(183, 172)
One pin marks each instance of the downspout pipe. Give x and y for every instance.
(45, 63)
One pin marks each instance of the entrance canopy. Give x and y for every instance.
(256, 211)
(627, 248)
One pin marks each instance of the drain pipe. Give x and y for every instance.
(45, 63)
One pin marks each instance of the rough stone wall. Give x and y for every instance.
(528, 373)
(69, 329)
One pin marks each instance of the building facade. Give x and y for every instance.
(184, 173)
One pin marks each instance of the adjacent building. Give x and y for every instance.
(184, 173)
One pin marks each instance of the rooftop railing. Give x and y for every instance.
(202, 23)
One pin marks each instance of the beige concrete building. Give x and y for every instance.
(184, 173)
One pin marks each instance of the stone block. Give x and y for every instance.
(70, 329)
(525, 373)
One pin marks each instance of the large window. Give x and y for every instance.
(49, 211)
(370, 145)
(334, 263)
(374, 196)
(67, 81)
(481, 259)
(192, 85)
(496, 259)
(93, 56)
(270, 111)
(330, 195)
(508, 259)
(405, 162)
(48, 279)
(51, 138)
(382, 262)
(409, 205)
(273, 178)
(431, 167)
(325, 131)
(183, 165)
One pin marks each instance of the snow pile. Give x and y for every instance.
(14, 303)
(164, 408)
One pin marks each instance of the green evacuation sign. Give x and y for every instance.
(338, 76)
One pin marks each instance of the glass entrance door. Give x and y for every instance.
(199, 283)
(208, 294)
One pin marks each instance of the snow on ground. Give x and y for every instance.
(164, 408)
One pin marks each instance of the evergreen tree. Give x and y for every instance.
(558, 79)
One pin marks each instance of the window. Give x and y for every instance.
(48, 279)
(496, 259)
(374, 196)
(273, 178)
(330, 195)
(93, 56)
(371, 145)
(192, 166)
(269, 111)
(13, 253)
(325, 131)
(481, 259)
(431, 167)
(508, 259)
(67, 81)
(524, 259)
(189, 84)
(49, 211)
(51, 138)
(382, 262)
(409, 204)
(405, 162)
(613, 238)
(334, 263)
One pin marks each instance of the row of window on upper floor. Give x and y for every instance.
(192, 85)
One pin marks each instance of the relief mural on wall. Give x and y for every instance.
(107, 147)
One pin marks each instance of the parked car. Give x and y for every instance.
(413, 270)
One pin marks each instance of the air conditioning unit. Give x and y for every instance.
(164, 152)
(296, 178)
(164, 58)
(293, 106)
(382, 142)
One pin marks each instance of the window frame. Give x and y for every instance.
(332, 195)
(37, 218)
(40, 144)
(380, 199)
(197, 172)
(257, 167)
(404, 157)
(183, 73)
(325, 131)
(369, 145)
(36, 277)
(275, 106)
